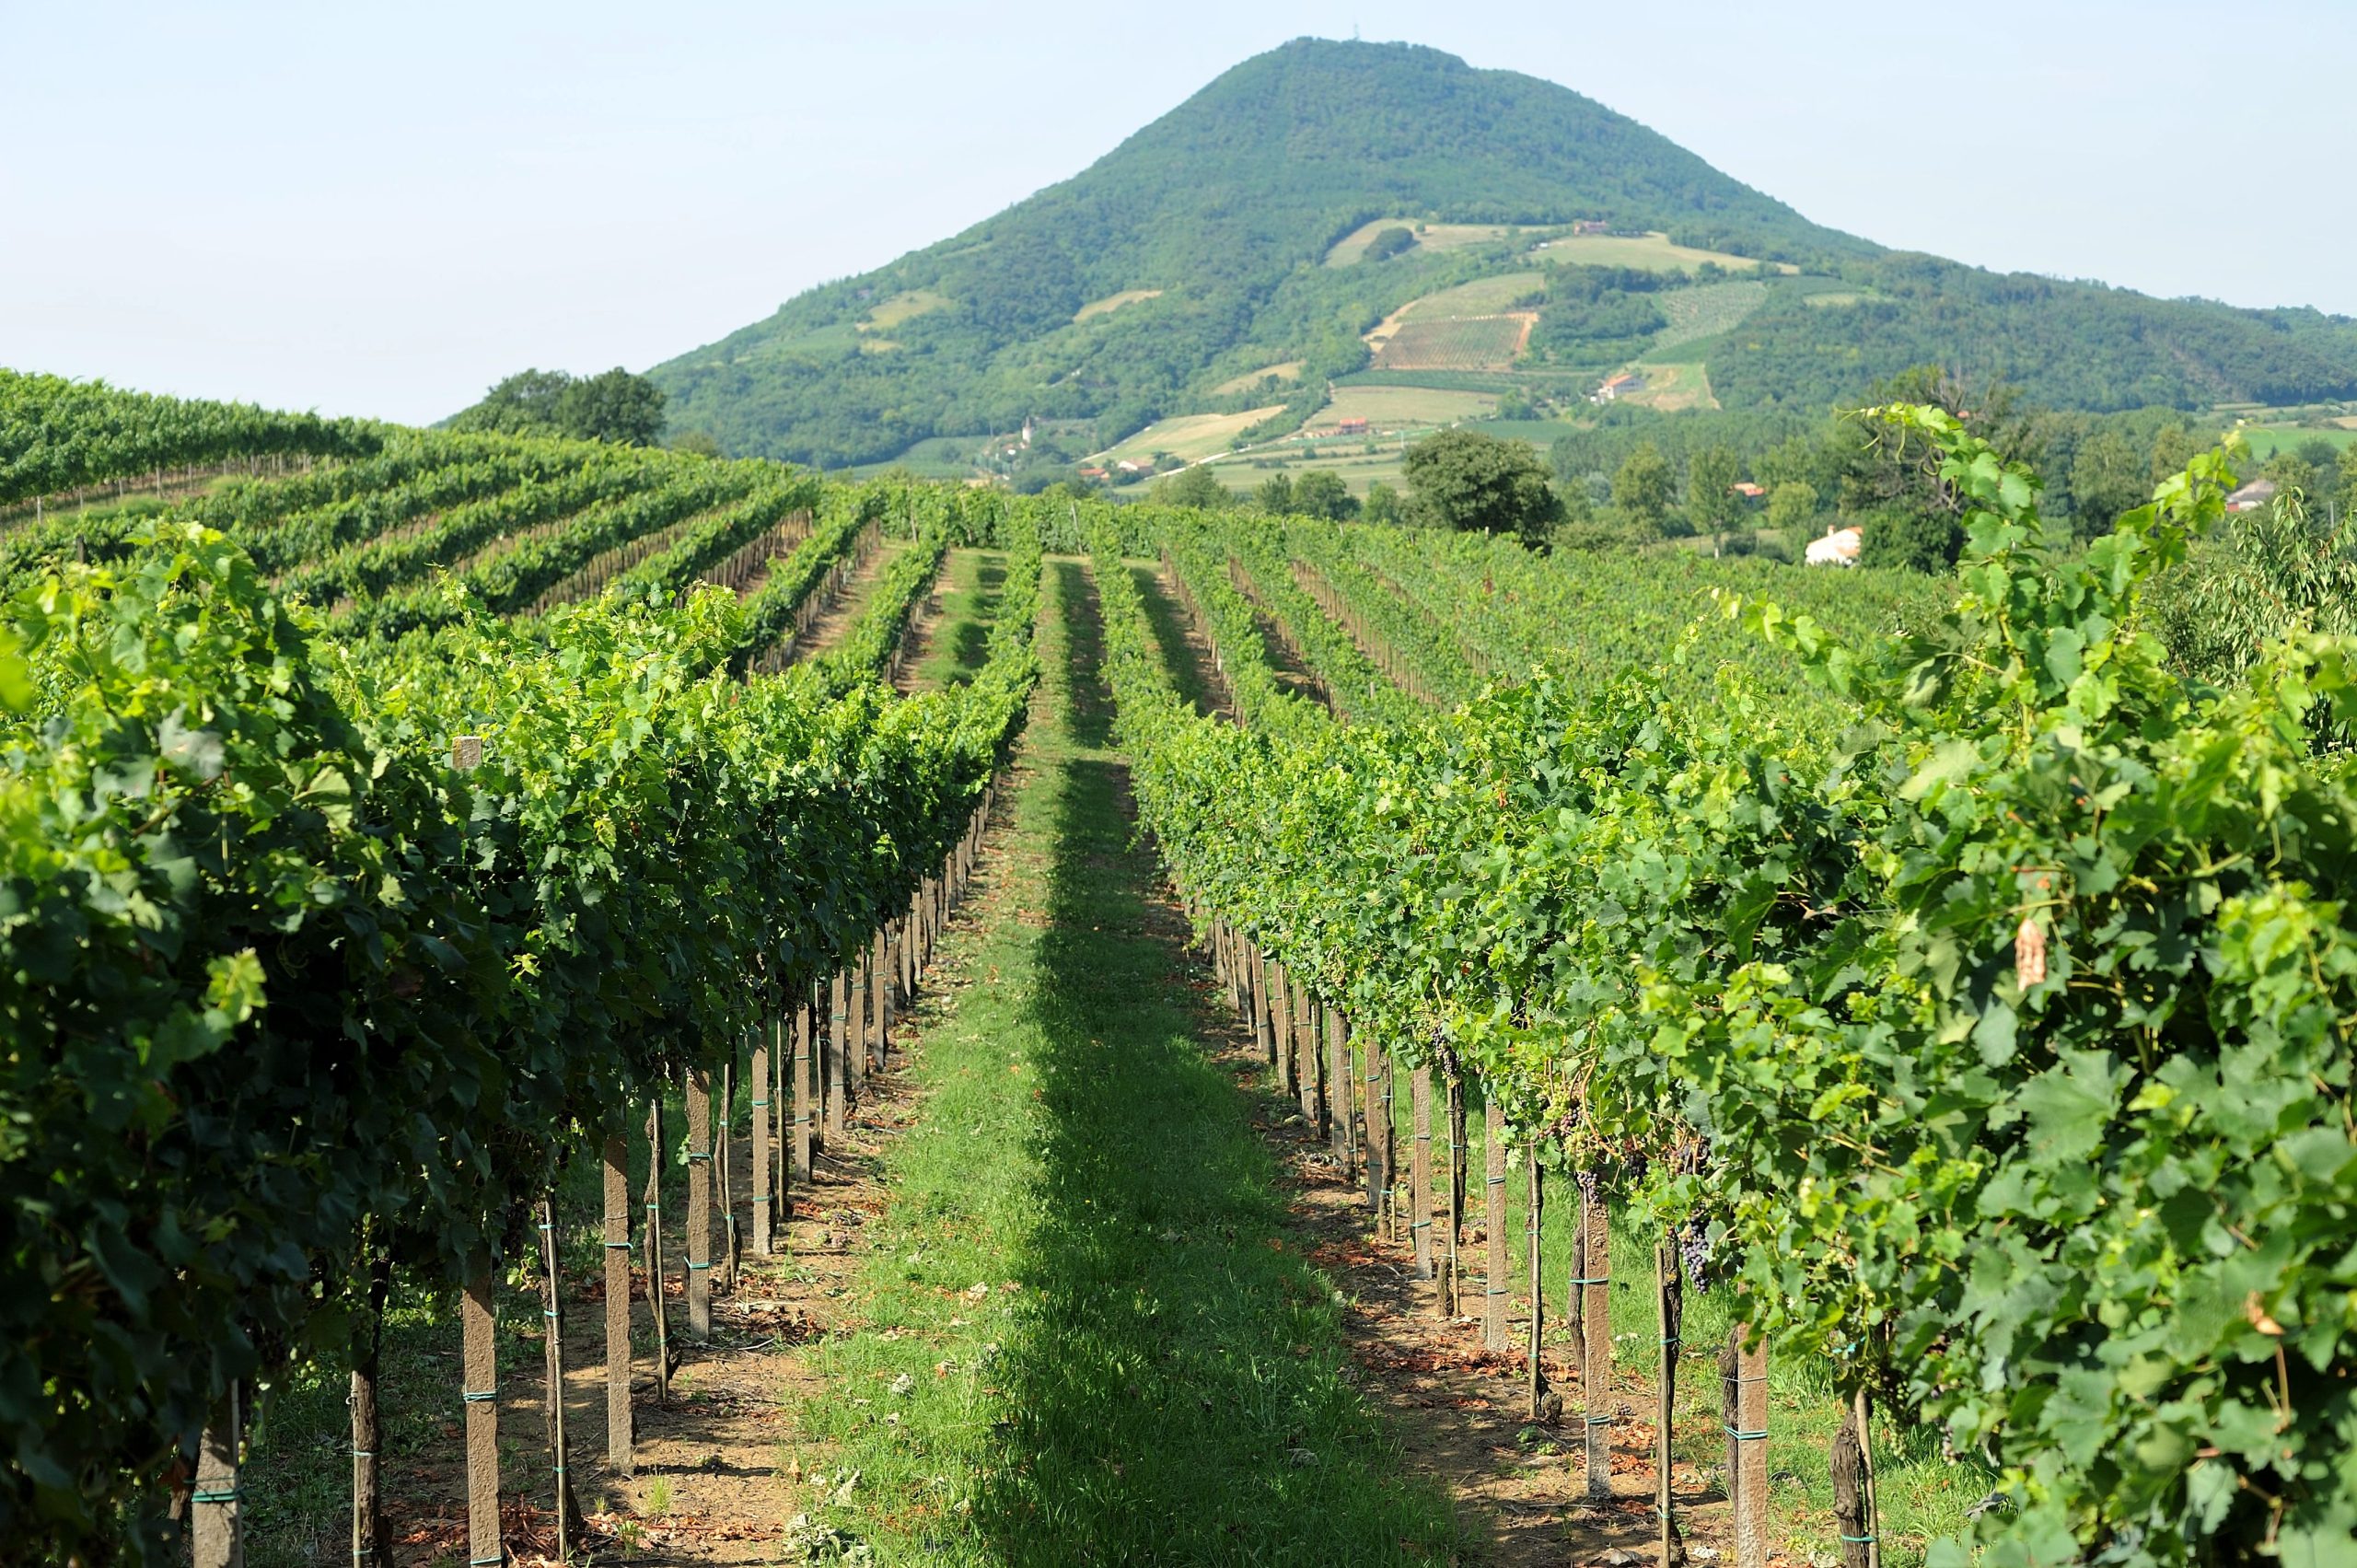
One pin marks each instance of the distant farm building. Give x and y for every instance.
(2252, 496)
(1353, 426)
(1135, 465)
(1093, 473)
(1747, 490)
(1838, 548)
(1618, 387)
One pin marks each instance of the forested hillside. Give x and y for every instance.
(1388, 214)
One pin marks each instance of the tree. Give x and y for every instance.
(1318, 494)
(1791, 507)
(2108, 478)
(1463, 480)
(1912, 540)
(525, 403)
(613, 405)
(1710, 502)
(1274, 495)
(1390, 242)
(697, 443)
(1382, 503)
(2172, 450)
(1191, 487)
(1641, 490)
(2291, 474)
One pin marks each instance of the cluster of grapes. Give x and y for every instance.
(1694, 1247)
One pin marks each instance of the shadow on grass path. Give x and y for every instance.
(1142, 1368)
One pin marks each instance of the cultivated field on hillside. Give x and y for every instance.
(1472, 343)
(1429, 237)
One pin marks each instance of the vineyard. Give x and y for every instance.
(1861, 1060)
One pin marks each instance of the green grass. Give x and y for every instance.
(1167, 1381)
(971, 582)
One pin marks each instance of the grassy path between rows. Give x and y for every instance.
(1086, 1337)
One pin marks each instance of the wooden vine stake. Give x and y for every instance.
(805, 1091)
(654, 1281)
(568, 1510)
(724, 1174)
(1669, 1300)
(1280, 1031)
(858, 1047)
(371, 1542)
(1495, 1292)
(1452, 1275)
(1339, 1076)
(216, 1512)
(764, 1190)
(700, 1205)
(1595, 1329)
(1309, 1070)
(1420, 1168)
(1533, 1212)
(879, 968)
(618, 1423)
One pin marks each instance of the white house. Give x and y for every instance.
(1838, 548)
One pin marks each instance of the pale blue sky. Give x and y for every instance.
(382, 210)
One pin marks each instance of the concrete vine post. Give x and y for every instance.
(478, 1325)
(1596, 1326)
(1748, 1440)
(216, 1508)
(838, 1053)
(764, 1190)
(1420, 1168)
(1495, 1334)
(700, 1205)
(619, 1422)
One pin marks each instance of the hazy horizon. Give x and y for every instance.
(316, 209)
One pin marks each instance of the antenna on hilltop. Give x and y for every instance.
(1354, 32)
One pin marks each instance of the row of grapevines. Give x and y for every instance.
(1412, 632)
(2012, 1011)
(371, 566)
(514, 570)
(56, 435)
(1358, 686)
(271, 968)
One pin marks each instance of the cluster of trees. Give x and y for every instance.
(2077, 345)
(612, 405)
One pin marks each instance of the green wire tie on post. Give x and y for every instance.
(620, 1245)
(693, 1264)
(234, 1494)
(477, 1396)
(1859, 1541)
(1590, 1280)
(759, 1198)
(761, 1105)
(704, 1155)
(1742, 1437)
